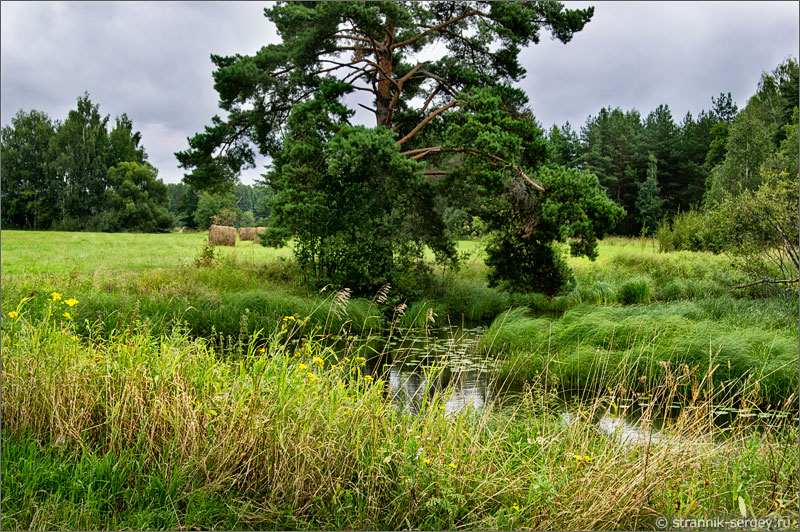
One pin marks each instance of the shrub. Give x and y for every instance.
(690, 230)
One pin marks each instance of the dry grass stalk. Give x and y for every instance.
(221, 235)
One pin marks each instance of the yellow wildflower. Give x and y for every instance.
(13, 314)
(515, 507)
(338, 478)
(289, 318)
(441, 407)
(403, 476)
(55, 296)
(318, 361)
(368, 378)
(427, 461)
(302, 367)
(451, 464)
(360, 360)
(312, 377)
(66, 315)
(98, 358)
(71, 302)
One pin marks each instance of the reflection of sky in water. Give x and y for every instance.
(462, 378)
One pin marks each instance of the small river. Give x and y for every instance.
(420, 363)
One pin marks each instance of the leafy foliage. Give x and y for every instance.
(61, 175)
(134, 200)
(360, 211)
(31, 195)
(648, 202)
(573, 209)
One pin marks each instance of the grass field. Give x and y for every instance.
(55, 252)
(173, 395)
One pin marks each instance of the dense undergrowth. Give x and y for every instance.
(137, 430)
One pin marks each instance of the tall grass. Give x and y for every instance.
(636, 345)
(136, 430)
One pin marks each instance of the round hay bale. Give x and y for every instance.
(221, 235)
(259, 231)
(247, 233)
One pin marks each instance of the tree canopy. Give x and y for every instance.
(376, 49)
(67, 175)
(362, 202)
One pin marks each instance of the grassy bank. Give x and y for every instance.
(134, 430)
(744, 347)
(119, 271)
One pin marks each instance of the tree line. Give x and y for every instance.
(79, 174)
(241, 206)
(655, 167)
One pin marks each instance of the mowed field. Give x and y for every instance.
(55, 252)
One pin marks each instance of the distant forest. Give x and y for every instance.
(83, 173)
(654, 167)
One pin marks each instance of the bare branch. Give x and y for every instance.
(352, 38)
(430, 97)
(434, 172)
(769, 281)
(427, 119)
(467, 13)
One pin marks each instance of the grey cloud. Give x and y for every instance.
(151, 60)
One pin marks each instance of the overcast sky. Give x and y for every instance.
(151, 60)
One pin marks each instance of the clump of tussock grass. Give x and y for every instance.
(285, 449)
(634, 291)
(636, 344)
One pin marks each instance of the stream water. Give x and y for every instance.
(421, 363)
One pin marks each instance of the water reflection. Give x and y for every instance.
(443, 360)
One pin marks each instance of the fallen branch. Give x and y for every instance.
(769, 281)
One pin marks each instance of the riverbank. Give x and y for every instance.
(147, 385)
(161, 432)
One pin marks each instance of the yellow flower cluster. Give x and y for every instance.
(360, 360)
(13, 314)
(71, 302)
(318, 361)
(368, 378)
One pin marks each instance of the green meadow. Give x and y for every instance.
(148, 384)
